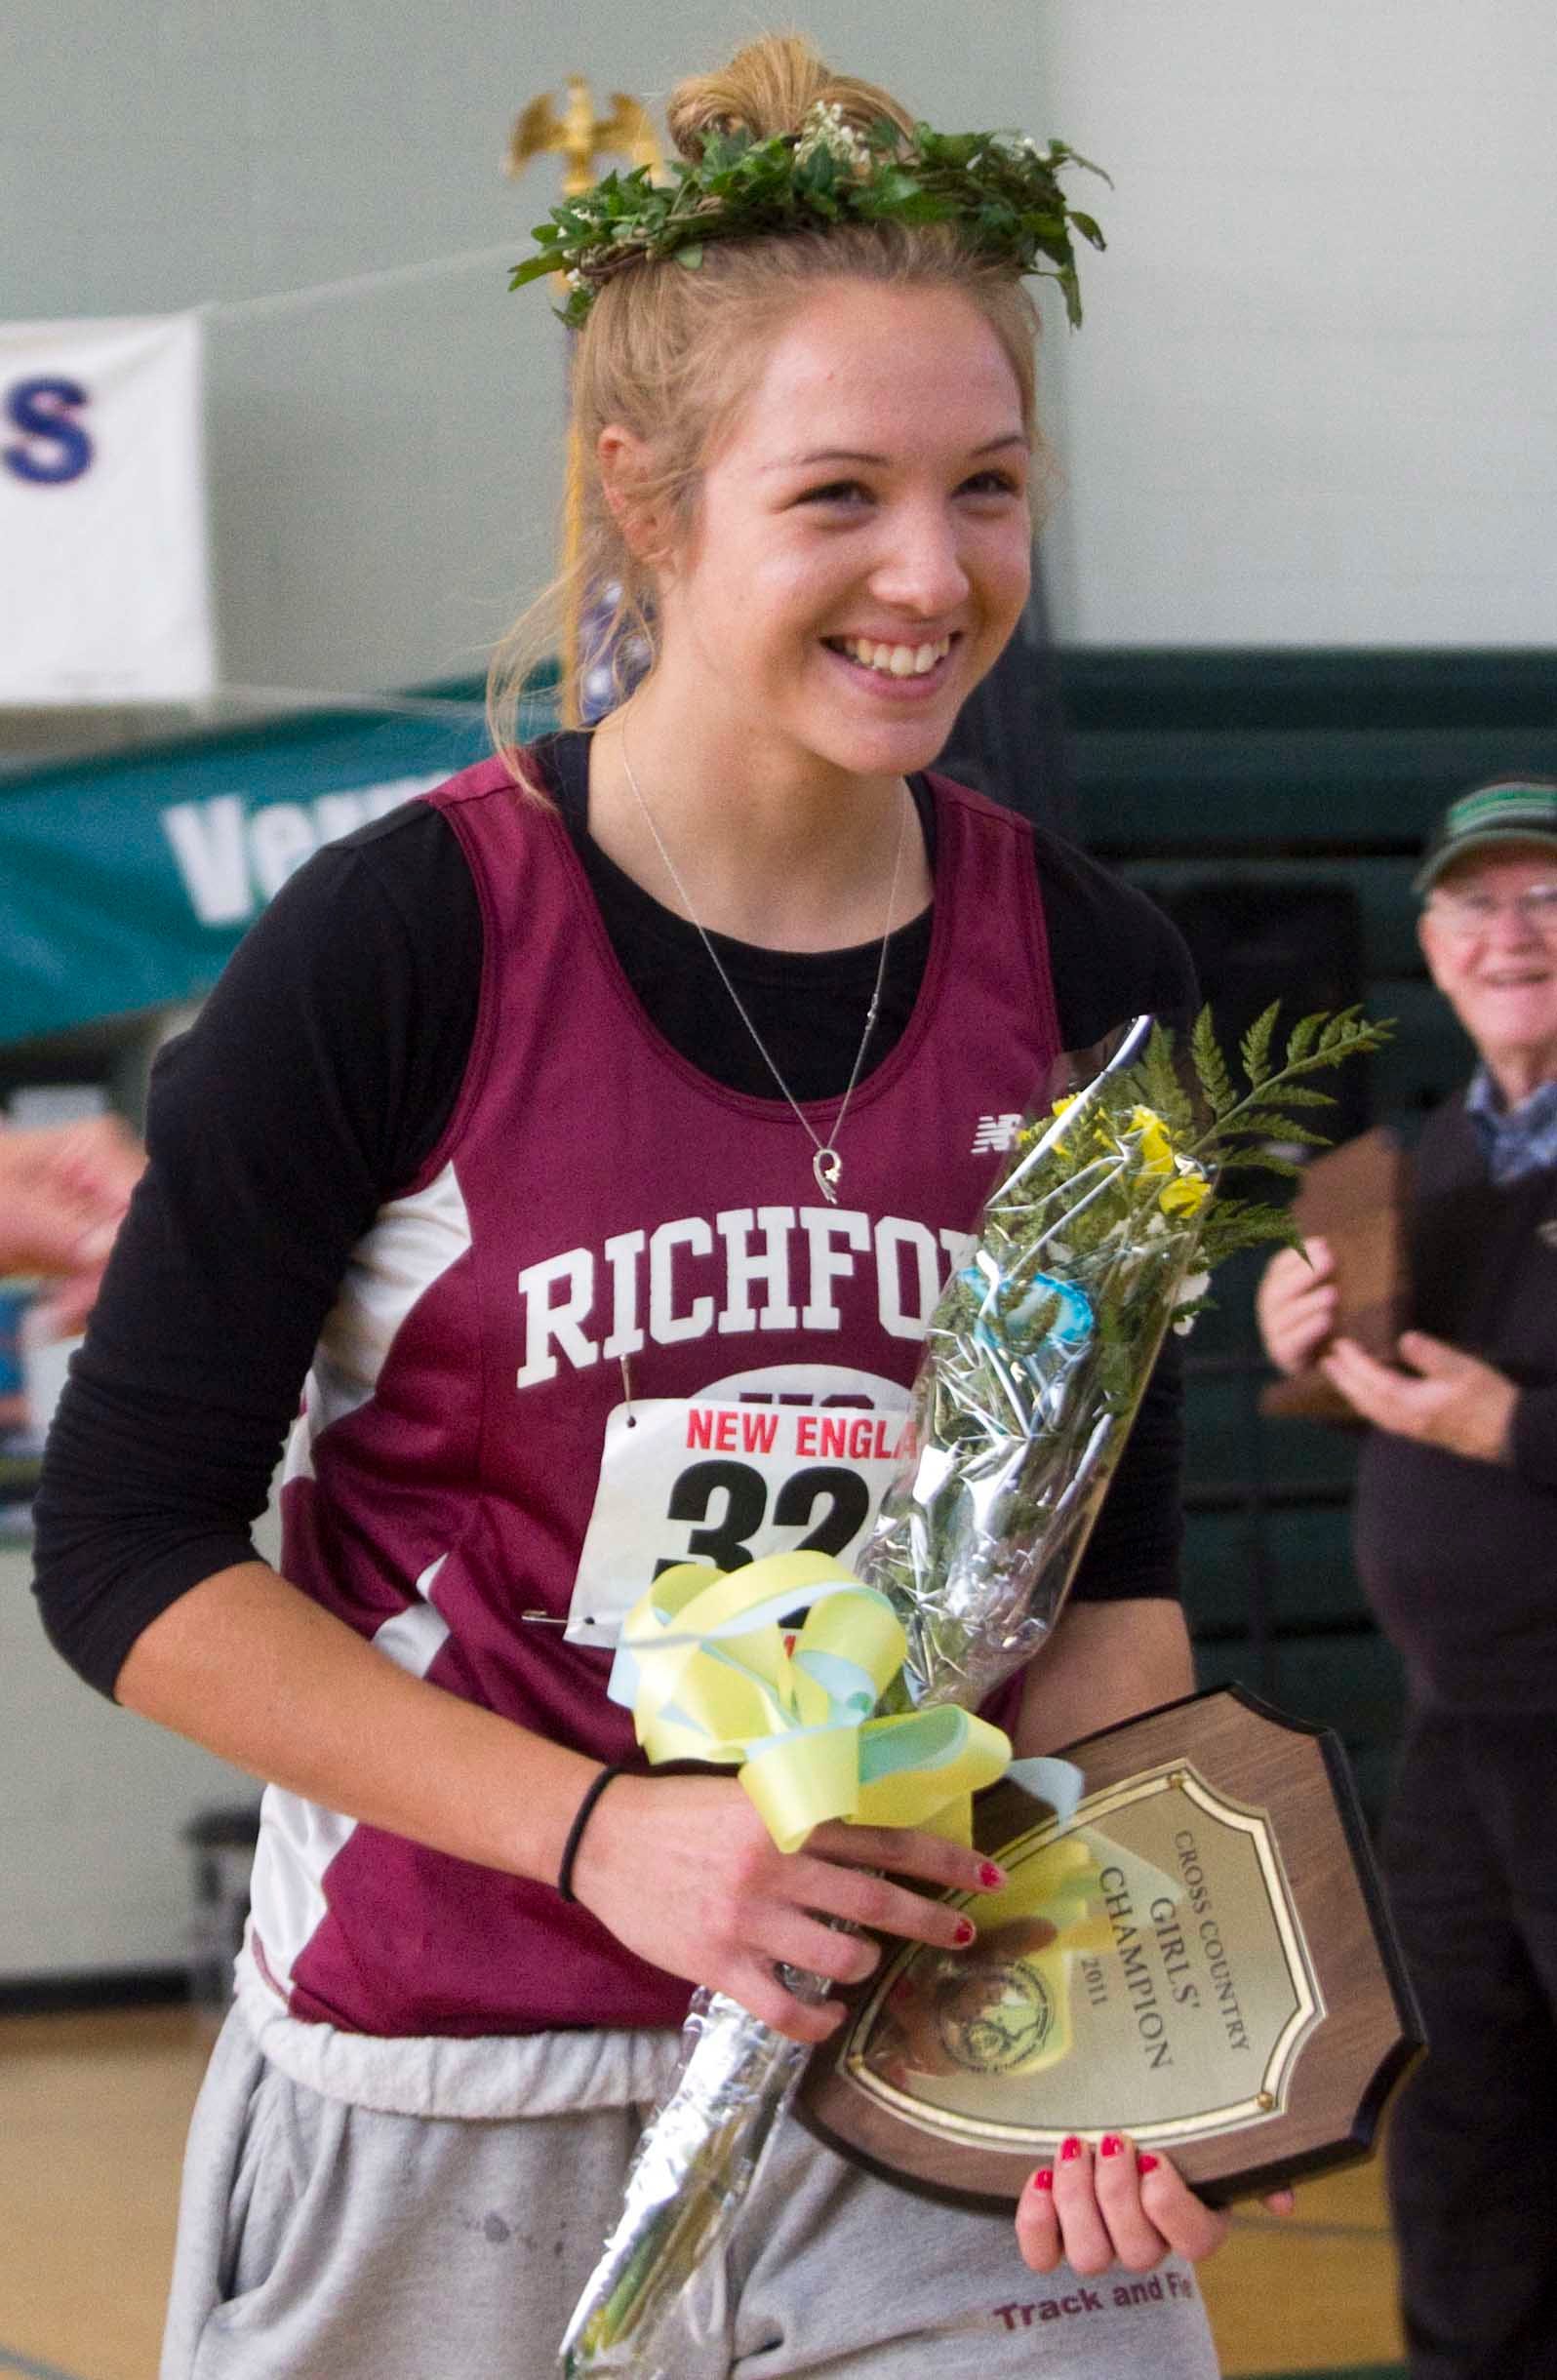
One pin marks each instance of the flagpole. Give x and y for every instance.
(580, 137)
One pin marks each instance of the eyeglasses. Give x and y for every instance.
(1468, 914)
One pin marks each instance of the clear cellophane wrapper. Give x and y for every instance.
(688, 2180)
(1036, 1362)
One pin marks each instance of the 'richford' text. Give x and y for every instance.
(745, 1270)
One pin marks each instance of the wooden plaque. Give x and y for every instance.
(1200, 1957)
(1354, 1197)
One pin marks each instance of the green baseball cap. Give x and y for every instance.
(1511, 809)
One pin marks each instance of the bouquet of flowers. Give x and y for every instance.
(1101, 1234)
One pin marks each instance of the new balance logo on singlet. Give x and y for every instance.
(995, 1132)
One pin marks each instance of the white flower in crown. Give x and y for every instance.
(824, 128)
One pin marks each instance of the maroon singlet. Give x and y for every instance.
(612, 1323)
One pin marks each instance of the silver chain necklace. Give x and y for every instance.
(825, 1162)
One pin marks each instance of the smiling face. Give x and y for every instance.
(861, 551)
(1499, 978)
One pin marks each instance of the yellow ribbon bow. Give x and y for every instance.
(712, 1669)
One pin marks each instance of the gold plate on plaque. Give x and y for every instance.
(1198, 1956)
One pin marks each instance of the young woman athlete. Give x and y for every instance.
(628, 1085)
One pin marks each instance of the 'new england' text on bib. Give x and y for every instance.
(765, 1462)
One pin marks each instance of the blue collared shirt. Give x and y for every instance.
(1518, 1140)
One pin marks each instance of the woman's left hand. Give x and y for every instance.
(1093, 2210)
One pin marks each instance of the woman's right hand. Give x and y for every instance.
(1296, 1303)
(683, 1872)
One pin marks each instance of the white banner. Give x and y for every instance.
(104, 582)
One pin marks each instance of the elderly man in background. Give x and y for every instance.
(1456, 1547)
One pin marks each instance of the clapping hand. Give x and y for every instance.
(1448, 1398)
(1296, 1303)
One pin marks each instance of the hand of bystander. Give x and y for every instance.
(1448, 1398)
(63, 1190)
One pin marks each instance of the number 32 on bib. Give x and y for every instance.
(746, 1469)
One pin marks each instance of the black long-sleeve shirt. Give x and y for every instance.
(321, 1073)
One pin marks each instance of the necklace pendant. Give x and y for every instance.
(827, 1167)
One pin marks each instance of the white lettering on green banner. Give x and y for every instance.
(233, 859)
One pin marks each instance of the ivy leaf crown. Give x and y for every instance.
(999, 190)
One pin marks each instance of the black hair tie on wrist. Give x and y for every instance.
(580, 1819)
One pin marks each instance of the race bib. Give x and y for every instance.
(762, 1463)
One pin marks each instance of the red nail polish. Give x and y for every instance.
(1110, 2145)
(1069, 2150)
(991, 1877)
(1148, 2164)
(967, 1932)
(1043, 2180)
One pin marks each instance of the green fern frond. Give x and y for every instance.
(1254, 1047)
(1274, 1125)
(1356, 1042)
(1337, 1026)
(1259, 1161)
(1297, 1095)
(1157, 1080)
(1301, 1040)
(1211, 1067)
(1235, 1225)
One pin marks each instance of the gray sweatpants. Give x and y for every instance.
(320, 2241)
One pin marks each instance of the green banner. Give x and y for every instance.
(125, 884)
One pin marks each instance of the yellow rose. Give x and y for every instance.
(1156, 1148)
(1062, 1147)
(1186, 1194)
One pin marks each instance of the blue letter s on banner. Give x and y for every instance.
(41, 410)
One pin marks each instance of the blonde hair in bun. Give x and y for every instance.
(671, 354)
(770, 88)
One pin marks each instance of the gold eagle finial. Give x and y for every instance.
(581, 137)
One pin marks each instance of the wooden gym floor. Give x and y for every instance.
(93, 2109)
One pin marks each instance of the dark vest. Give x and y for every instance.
(1460, 1558)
